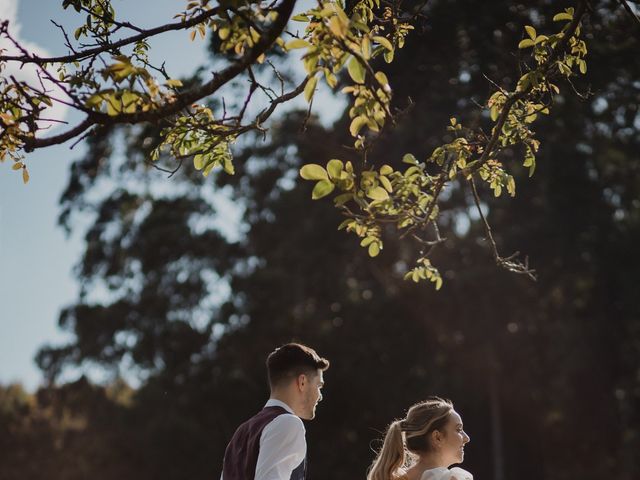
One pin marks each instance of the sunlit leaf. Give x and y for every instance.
(313, 171)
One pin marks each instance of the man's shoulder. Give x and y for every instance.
(287, 421)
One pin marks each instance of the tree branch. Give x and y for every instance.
(504, 114)
(626, 6)
(183, 99)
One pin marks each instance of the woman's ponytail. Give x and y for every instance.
(390, 457)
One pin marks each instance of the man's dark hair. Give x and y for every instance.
(291, 360)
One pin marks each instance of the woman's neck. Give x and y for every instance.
(429, 462)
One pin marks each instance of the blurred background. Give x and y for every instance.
(184, 285)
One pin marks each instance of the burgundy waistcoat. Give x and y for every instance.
(241, 455)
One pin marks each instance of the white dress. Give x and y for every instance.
(444, 473)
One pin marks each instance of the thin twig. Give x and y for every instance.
(509, 263)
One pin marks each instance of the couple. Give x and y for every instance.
(271, 445)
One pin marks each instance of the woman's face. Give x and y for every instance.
(453, 440)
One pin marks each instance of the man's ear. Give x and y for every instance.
(301, 381)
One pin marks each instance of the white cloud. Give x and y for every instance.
(29, 73)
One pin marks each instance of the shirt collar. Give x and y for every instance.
(272, 402)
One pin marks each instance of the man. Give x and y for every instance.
(271, 445)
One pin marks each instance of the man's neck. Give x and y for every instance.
(284, 399)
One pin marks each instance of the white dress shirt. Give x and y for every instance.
(283, 446)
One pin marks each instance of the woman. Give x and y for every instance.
(423, 445)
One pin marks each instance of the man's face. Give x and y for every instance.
(312, 394)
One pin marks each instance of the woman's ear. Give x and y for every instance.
(436, 438)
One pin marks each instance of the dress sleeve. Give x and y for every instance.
(282, 448)
(458, 473)
(442, 473)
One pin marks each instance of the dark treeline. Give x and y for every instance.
(545, 374)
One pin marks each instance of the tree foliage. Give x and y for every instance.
(107, 76)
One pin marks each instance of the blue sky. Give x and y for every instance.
(36, 259)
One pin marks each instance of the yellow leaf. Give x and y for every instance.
(526, 43)
(384, 42)
(377, 193)
(374, 249)
(25, 175)
(17, 166)
(531, 31)
(337, 27)
(357, 124)
(224, 33)
(366, 48)
(310, 88)
(296, 43)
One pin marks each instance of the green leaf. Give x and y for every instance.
(583, 66)
(367, 241)
(335, 167)
(377, 193)
(173, 83)
(300, 18)
(310, 88)
(313, 171)
(374, 249)
(386, 184)
(345, 223)
(198, 161)
(410, 159)
(494, 113)
(342, 199)
(228, 166)
(356, 70)
(322, 189)
(385, 170)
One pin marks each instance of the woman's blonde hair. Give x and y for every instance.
(409, 435)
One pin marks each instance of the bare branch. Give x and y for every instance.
(81, 55)
(509, 263)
